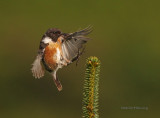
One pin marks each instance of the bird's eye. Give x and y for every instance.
(62, 40)
(56, 32)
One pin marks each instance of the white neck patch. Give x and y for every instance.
(46, 40)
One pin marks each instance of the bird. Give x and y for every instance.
(58, 49)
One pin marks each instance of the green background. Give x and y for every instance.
(125, 38)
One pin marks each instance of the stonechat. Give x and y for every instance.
(58, 49)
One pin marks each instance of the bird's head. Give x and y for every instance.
(53, 33)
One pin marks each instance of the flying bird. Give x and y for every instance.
(58, 49)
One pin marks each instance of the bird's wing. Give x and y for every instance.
(74, 42)
(37, 68)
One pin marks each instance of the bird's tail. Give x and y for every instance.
(57, 82)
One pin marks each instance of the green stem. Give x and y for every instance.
(90, 91)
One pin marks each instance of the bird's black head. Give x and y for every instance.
(53, 33)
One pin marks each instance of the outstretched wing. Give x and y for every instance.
(37, 68)
(74, 42)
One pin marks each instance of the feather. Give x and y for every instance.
(37, 68)
(83, 32)
(74, 42)
(65, 51)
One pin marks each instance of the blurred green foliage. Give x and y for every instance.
(126, 39)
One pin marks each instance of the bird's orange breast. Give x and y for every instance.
(50, 55)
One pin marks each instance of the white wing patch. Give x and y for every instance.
(37, 68)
